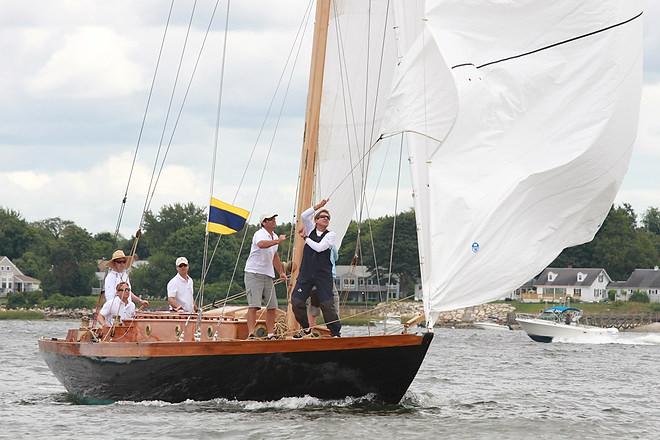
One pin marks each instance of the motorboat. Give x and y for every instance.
(491, 324)
(560, 322)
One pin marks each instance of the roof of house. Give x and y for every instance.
(3, 257)
(358, 271)
(643, 278)
(27, 279)
(568, 276)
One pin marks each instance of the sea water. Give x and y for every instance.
(473, 384)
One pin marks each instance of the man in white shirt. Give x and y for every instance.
(120, 305)
(180, 289)
(316, 269)
(260, 273)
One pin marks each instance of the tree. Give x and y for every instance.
(151, 280)
(54, 226)
(619, 246)
(15, 236)
(651, 220)
(170, 218)
(104, 245)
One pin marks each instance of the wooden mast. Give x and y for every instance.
(311, 138)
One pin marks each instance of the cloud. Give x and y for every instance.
(75, 77)
(93, 62)
(648, 134)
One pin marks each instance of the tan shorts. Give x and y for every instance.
(260, 290)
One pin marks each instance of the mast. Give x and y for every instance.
(311, 137)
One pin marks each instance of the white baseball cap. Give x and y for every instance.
(181, 260)
(263, 217)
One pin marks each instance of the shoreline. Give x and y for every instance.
(460, 318)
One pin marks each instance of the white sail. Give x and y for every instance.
(522, 157)
(359, 65)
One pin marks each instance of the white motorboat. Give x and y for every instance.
(560, 322)
(490, 325)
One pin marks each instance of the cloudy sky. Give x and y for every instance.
(74, 82)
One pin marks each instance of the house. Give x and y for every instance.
(583, 284)
(524, 293)
(13, 280)
(641, 280)
(357, 283)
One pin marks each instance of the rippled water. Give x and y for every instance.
(474, 384)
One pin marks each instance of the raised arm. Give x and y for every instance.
(307, 217)
(326, 242)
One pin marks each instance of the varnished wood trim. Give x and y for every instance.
(215, 348)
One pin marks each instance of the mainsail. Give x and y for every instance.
(519, 116)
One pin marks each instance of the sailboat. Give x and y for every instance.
(519, 120)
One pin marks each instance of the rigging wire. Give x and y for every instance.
(169, 107)
(270, 146)
(373, 123)
(183, 101)
(348, 108)
(144, 119)
(396, 207)
(216, 139)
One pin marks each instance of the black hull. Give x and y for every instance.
(538, 338)
(385, 372)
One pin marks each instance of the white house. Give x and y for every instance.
(357, 283)
(584, 284)
(641, 280)
(13, 280)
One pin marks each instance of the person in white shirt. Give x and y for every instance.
(120, 305)
(180, 289)
(316, 270)
(260, 273)
(118, 265)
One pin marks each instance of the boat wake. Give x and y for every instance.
(286, 403)
(614, 338)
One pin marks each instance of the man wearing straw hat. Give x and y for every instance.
(260, 273)
(118, 265)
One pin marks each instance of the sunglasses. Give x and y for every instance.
(120, 261)
(183, 265)
(124, 290)
(324, 216)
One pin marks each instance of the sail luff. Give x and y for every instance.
(311, 136)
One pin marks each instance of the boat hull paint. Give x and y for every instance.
(538, 338)
(343, 369)
(541, 330)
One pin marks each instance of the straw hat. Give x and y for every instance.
(119, 255)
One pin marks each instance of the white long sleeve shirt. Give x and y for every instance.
(327, 242)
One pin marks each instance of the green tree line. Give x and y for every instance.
(65, 256)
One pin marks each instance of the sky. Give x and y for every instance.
(75, 79)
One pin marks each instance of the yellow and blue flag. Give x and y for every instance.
(224, 218)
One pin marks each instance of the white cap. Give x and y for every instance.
(181, 260)
(263, 217)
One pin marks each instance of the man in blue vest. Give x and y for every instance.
(316, 270)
